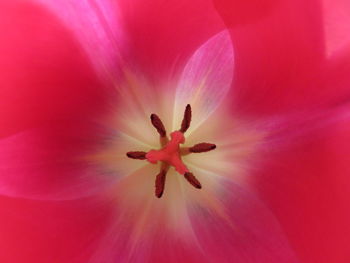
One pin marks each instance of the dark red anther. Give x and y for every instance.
(137, 155)
(158, 124)
(170, 153)
(160, 183)
(186, 121)
(202, 147)
(192, 180)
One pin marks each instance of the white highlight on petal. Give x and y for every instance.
(97, 26)
(206, 80)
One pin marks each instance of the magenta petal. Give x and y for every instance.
(337, 21)
(50, 232)
(97, 26)
(244, 229)
(243, 12)
(334, 81)
(163, 34)
(45, 73)
(51, 162)
(307, 187)
(277, 54)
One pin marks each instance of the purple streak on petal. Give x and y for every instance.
(51, 162)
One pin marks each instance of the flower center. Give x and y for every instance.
(170, 153)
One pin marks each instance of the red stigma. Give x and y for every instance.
(170, 153)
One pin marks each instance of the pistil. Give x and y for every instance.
(170, 153)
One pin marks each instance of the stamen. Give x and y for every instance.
(186, 121)
(160, 183)
(170, 153)
(192, 180)
(158, 124)
(137, 155)
(202, 147)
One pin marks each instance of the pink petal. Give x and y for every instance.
(96, 24)
(234, 225)
(46, 75)
(306, 184)
(206, 80)
(51, 162)
(50, 232)
(141, 228)
(244, 12)
(334, 79)
(278, 52)
(163, 34)
(337, 26)
(238, 226)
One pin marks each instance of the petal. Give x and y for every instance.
(145, 228)
(242, 12)
(50, 232)
(335, 79)
(277, 54)
(96, 24)
(336, 18)
(306, 184)
(203, 226)
(205, 81)
(230, 223)
(51, 162)
(46, 75)
(163, 34)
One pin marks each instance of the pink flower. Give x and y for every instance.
(252, 95)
